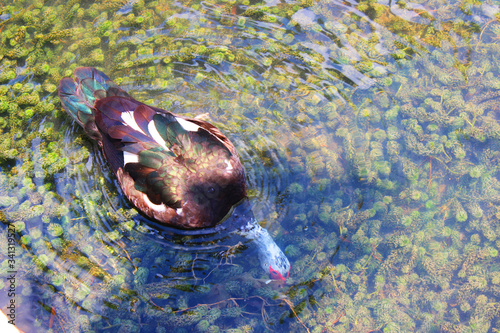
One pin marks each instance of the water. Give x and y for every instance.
(368, 131)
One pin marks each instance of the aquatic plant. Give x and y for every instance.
(389, 134)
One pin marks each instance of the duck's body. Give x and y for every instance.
(178, 171)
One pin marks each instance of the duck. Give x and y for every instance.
(178, 171)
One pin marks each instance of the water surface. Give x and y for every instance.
(368, 130)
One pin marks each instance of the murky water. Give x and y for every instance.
(369, 134)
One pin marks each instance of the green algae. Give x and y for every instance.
(381, 170)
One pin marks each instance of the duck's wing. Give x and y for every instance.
(176, 170)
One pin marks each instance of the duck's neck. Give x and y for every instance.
(253, 231)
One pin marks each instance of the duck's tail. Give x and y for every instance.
(78, 95)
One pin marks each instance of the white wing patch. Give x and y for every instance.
(157, 208)
(130, 158)
(128, 118)
(187, 125)
(229, 166)
(156, 135)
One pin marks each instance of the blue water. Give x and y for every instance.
(368, 132)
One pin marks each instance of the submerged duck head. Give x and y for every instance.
(271, 257)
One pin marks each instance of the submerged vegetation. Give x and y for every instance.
(370, 136)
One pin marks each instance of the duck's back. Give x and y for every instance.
(179, 171)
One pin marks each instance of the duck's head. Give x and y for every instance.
(271, 257)
(274, 261)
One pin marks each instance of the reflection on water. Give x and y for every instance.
(368, 131)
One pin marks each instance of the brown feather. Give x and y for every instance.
(143, 114)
